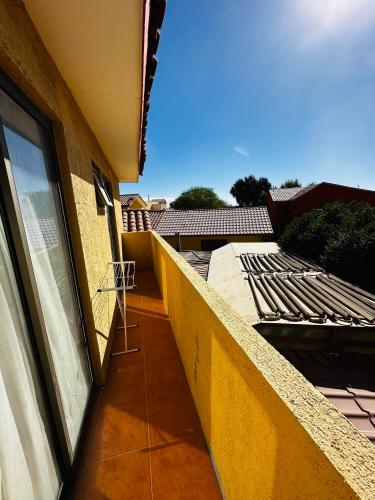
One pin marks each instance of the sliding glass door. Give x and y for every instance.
(34, 199)
(28, 465)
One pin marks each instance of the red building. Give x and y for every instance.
(286, 204)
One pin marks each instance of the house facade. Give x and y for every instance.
(132, 202)
(286, 204)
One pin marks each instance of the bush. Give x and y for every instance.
(340, 237)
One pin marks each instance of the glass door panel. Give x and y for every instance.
(40, 206)
(28, 467)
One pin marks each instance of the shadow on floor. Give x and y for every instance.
(144, 438)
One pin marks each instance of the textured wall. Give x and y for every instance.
(271, 433)
(27, 62)
(137, 246)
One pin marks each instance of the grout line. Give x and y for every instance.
(151, 315)
(121, 454)
(148, 428)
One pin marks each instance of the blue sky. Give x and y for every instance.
(276, 88)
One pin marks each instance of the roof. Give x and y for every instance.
(212, 222)
(136, 220)
(199, 260)
(156, 16)
(287, 194)
(346, 379)
(112, 71)
(159, 200)
(288, 288)
(128, 199)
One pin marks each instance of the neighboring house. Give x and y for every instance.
(132, 201)
(286, 204)
(323, 325)
(204, 229)
(158, 204)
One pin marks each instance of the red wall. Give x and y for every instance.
(283, 212)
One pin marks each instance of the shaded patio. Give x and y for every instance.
(144, 439)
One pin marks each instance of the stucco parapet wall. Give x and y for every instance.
(350, 453)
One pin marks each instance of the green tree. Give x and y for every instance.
(250, 191)
(291, 183)
(340, 237)
(198, 197)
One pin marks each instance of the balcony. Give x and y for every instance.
(144, 437)
(204, 380)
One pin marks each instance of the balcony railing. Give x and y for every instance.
(270, 432)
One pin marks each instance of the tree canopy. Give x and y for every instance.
(340, 237)
(291, 183)
(198, 197)
(250, 191)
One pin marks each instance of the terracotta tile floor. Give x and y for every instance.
(144, 439)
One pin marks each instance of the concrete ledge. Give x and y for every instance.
(271, 433)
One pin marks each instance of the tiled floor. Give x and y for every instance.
(144, 438)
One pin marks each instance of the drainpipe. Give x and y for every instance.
(177, 241)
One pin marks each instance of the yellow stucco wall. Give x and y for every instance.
(27, 62)
(270, 432)
(137, 204)
(194, 242)
(137, 246)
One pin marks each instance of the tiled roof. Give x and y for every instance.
(127, 199)
(288, 288)
(212, 222)
(155, 218)
(199, 260)
(136, 220)
(287, 194)
(346, 379)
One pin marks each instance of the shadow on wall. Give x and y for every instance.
(259, 446)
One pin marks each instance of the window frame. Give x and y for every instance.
(103, 198)
(17, 242)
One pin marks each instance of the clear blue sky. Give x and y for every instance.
(276, 88)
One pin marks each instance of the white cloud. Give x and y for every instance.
(241, 151)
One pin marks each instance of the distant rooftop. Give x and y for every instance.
(205, 222)
(159, 200)
(128, 199)
(287, 194)
(214, 222)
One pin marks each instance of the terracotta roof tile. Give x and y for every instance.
(136, 220)
(212, 222)
(346, 379)
(287, 194)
